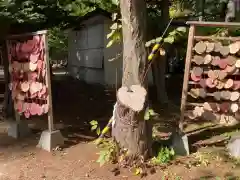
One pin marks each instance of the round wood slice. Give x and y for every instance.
(234, 48)
(207, 107)
(234, 96)
(232, 121)
(224, 50)
(25, 86)
(231, 60)
(197, 71)
(226, 95)
(224, 107)
(202, 93)
(195, 78)
(210, 47)
(228, 84)
(217, 46)
(217, 95)
(212, 74)
(211, 83)
(192, 115)
(215, 60)
(198, 59)
(236, 85)
(208, 59)
(210, 116)
(223, 119)
(234, 107)
(222, 63)
(202, 83)
(198, 111)
(220, 85)
(237, 64)
(214, 107)
(230, 69)
(222, 75)
(200, 47)
(32, 66)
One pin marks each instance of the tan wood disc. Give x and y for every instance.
(212, 74)
(234, 107)
(222, 75)
(220, 85)
(215, 60)
(200, 47)
(234, 48)
(230, 69)
(208, 59)
(217, 46)
(197, 71)
(198, 59)
(228, 84)
(231, 60)
(237, 64)
(224, 50)
(226, 95)
(210, 47)
(234, 96)
(217, 95)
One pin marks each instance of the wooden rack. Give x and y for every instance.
(48, 75)
(192, 39)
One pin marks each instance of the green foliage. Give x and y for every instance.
(165, 155)
(115, 35)
(170, 39)
(108, 153)
(57, 41)
(148, 114)
(95, 127)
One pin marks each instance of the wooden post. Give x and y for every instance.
(186, 74)
(48, 83)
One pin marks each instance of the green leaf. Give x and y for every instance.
(93, 127)
(169, 39)
(181, 29)
(148, 44)
(98, 131)
(151, 112)
(110, 43)
(158, 40)
(173, 33)
(137, 171)
(110, 34)
(114, 16)
(114, 26)
(115, 2)
(146, 116)
(94, 122)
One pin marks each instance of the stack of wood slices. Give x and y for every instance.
(215, 82)
(27, 68)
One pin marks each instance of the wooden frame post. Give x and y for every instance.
(186, 73)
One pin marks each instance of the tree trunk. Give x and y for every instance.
(135, 138)
(160, 63)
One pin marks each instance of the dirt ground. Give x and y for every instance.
(75, 105)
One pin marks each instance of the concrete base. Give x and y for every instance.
(18, 129)
(50, 140)
(180, 144)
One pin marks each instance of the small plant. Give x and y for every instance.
(95, 127)
(108, 153)
(165, 155)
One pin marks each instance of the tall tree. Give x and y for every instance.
(130, 129)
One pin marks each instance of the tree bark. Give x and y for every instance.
(160, 64)
(136, 139)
